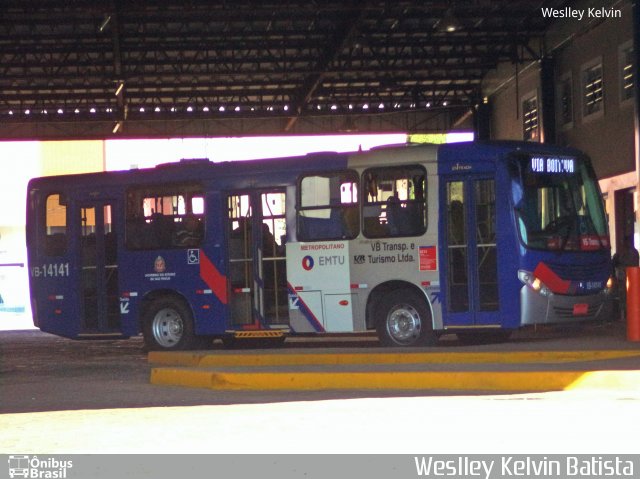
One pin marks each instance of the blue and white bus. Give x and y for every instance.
(411, 241)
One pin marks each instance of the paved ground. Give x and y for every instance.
(62, 396)
(41, 372)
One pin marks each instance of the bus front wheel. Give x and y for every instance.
(168, 325)
(403, 319)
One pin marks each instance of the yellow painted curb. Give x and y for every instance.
(531, 381)
(204, 359)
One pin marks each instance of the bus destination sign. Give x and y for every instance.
(553, 165)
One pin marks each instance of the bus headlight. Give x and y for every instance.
(608, 289)
(534, 283)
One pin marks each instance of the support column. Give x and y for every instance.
(482, 120)
(636, 103)
(547, 100)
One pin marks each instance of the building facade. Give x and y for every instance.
(581, 92)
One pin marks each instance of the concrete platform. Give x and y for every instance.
(519, 366)
(59, 396)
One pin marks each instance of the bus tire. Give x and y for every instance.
(403, 319)
(168, 326)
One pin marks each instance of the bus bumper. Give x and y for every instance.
(539, 309)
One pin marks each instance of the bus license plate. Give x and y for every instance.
(580, 309)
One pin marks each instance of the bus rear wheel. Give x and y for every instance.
(168, 325)
(403, 319)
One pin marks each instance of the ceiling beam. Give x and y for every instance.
(342, 38)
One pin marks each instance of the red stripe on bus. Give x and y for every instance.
(214, 279)
(554, 282)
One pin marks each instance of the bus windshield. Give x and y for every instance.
(557, 204)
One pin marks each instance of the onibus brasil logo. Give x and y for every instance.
(38, 468)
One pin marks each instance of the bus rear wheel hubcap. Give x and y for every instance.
(404, 323)
(167, 327)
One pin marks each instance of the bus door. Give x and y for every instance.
(470, 245)
(256, 233)
(98, 250)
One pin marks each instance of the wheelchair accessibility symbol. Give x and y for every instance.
(193, 256)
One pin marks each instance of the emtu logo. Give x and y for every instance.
(307, 263)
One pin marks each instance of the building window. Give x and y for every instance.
(565, 101)
(530, 119)
(592, 90)
(626, 71)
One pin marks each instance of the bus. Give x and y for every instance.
(408, 241)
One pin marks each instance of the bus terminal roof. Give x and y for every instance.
(87, 69)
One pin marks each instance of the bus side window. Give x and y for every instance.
(190, 226)
(163, 229)
(55, 225)
(328, 207)
(350, 219)
(394, 201)
(165, 216)
(189, 232)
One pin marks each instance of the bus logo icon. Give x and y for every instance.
(18, 466)
(307, 263)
